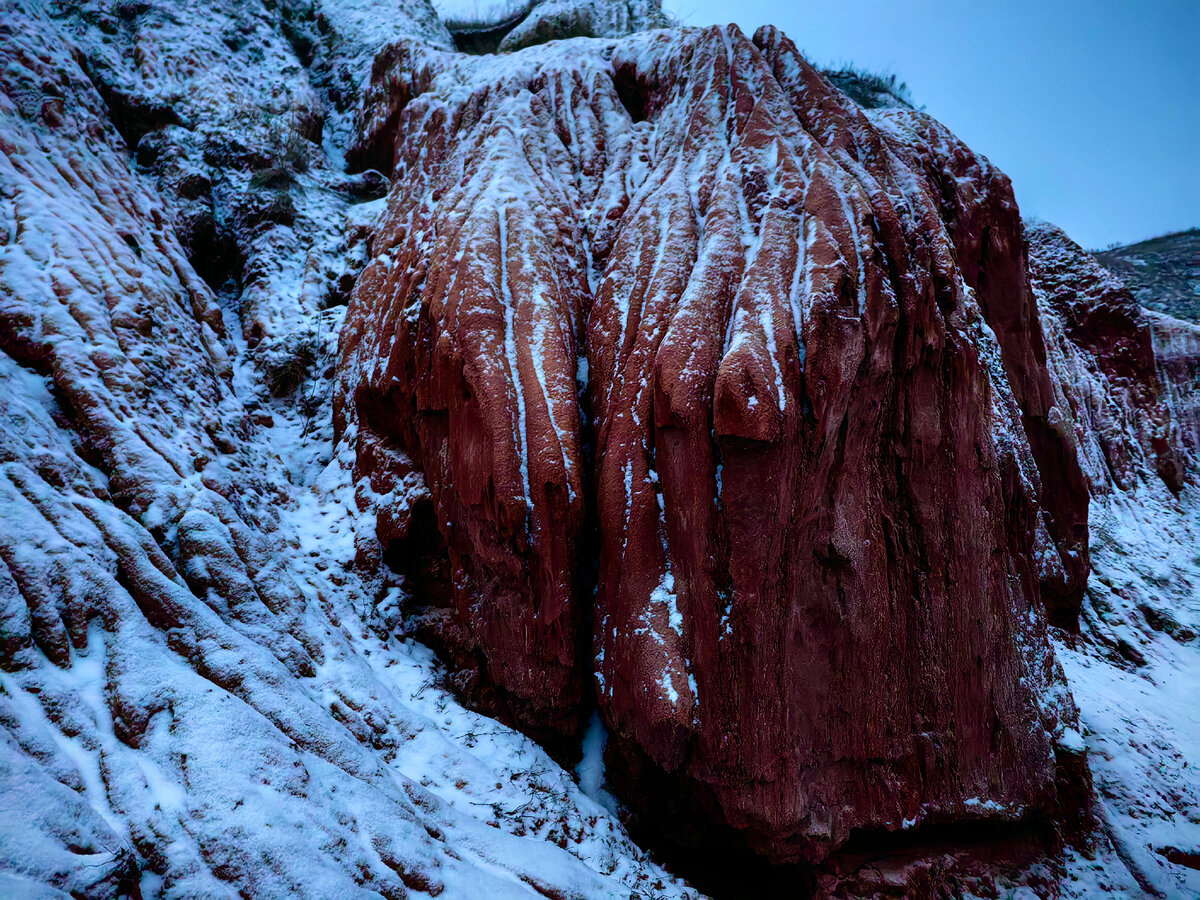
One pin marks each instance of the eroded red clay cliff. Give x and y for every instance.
(785, 353)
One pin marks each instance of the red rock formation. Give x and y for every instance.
(977, 205)
(465, 329)
(1177, 355)
(1105, 363)
(839, 537)
(830, 485)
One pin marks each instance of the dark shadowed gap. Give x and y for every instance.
(484, 38)
(936, 859)
(933, 860)
(422, 559)
(630, 92)
(133, 115)
(674, 827)
(213, 253)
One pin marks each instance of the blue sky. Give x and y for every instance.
(1092, 107)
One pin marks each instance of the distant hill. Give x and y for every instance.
(1163, 272)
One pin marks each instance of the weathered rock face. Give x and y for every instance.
(1104, 364)
(809, 403)
(1127, 381)
(462, 350)
(1177, 355)
(676, 379)
(986, 231)
(785, 355)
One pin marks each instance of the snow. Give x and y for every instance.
(1142, 722)
(668, 686)
(1072, 740)
(216, 701)
(664, 593)
(510, 350)
(539, 348)
(590, 770)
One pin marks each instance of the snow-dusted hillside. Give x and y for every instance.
(206, 685)
(1134, 668)
(1163, 272)
(192, 699)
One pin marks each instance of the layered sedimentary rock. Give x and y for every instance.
(785, 355)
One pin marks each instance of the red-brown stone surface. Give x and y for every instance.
(465, 336)
(1177, 353)
(1106, 364)
(784, 353)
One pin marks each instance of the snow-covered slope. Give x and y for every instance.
(1163, 272)
(191, 700)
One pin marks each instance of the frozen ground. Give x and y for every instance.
(1135, 675)
(191, 700)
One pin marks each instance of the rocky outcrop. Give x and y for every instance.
(776, 455)
(785, 355)
(1163, 273)
(558, 19)
(505, 27)
(1104, 364)
(677, 382)
(1164, 276)
(462, 350)
(1177, 355)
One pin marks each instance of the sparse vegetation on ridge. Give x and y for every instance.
(870, 90)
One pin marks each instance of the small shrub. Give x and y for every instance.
(287, 363)
(870, 90)
(273, 178)
(288, 143)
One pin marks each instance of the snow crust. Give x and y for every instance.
(1134, 673)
